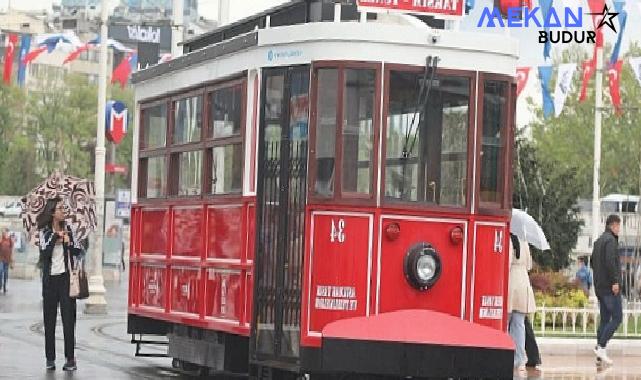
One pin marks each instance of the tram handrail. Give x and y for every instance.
(583, 322)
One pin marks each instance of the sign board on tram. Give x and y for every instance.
(438, 8)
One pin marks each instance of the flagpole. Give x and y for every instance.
(596, 203)
(96, 304)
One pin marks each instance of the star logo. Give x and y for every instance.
(607, 18)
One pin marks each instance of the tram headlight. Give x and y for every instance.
(426, 268)
(422, 266)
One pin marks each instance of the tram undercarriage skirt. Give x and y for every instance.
(417, 343)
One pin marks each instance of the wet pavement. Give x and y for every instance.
(104, 350)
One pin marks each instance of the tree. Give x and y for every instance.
(568, 141)
(16, 151)
(63, 117)
(550, 195)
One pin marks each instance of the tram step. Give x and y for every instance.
(140, 342)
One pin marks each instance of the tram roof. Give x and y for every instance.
(296, 27)
(293, 12)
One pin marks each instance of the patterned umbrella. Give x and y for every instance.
(77, 195)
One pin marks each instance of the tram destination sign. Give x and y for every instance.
(437, 8)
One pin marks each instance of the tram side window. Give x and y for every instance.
(426, 148)
(358, 130)
(187, 120)
(225, 111)
(155, 126)
(227, 170)
(190, 173)
(493, 140)
(156, 177)
(326, 131)
(225, 115)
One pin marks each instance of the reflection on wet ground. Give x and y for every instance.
(584, 367)
(104, 351)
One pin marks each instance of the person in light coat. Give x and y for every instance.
(521, 297)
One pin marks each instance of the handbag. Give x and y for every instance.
(78, 283)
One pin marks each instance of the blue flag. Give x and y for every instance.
(545, 75)
(619, 5)
(546, 5)
(25, 45)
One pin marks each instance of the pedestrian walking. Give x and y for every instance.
(520, 299)
(57, 256)
(531, 347)
(6, 258)
(583, 276)
(607, 280)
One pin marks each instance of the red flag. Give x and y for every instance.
(122, 71)
(588, 72)
(596, 6)
(75, 54)
(504, 5)
(522, 75)
(614, 72)
(9, 53)
(33, 55)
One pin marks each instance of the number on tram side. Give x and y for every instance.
(338, 231)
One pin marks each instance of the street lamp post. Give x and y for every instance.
(177, 28)
(596, 203)
(96, 304)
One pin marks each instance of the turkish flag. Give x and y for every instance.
(76, 53)
(596, 6)
(522, 75)
(588, 72)
(123, 70)
(614, 73)
(9, 53)
(33, 55)
(505, 5)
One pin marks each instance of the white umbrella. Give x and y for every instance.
(526, 228)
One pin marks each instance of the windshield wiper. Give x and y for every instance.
(431, 65)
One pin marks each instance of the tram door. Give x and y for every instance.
(280, 217)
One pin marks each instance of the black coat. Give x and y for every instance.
(606, 263)
(48, 239)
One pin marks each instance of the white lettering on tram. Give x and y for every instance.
(433, 4)
(335, 304)
(436, 4)
(330, 297)
(492, 301)
(491, 307)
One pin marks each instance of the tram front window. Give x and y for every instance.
(326, 131)
(358, 130)
(426, 155)
(345, 124)
(494, 118)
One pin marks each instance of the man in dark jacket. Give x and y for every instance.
(607, 280)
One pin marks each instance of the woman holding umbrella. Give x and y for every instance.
(57, 256)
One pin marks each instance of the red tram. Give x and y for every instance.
(321, 192)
